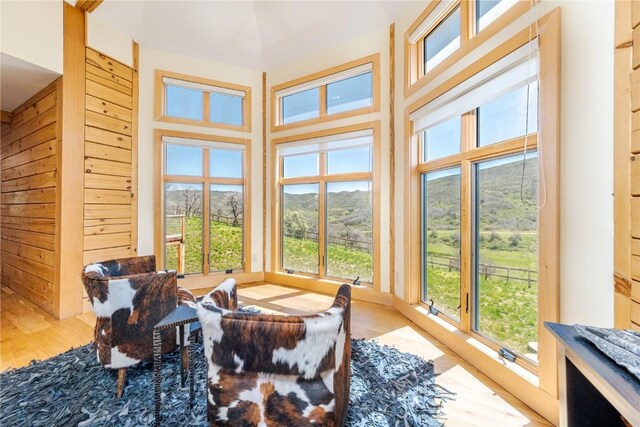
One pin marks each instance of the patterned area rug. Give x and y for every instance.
(388, 388)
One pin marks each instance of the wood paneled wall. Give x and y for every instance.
(29, 148)
(627, 165)
(110, 202)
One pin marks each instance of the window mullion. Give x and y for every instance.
(206, 217)
(206, 106)
(322, 216)
(323, 100)
(468, 142)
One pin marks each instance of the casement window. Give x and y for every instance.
(203, 227)
(328, 205)
(478, 172)
(347, 90)
(447, 30)
(193, 100)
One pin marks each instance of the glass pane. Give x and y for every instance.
(226, 109)
(488, 10)
(442, 41)
(301, 106)
(183, 227)
(507, 252)
(184, 103)
(350, 230)
(358, 159)
(441, 140)
(302, 165)
(441, 240)
(505, 117)
(183, 160)
(300, 228)
(349, 94)
(227, 224)
(225, 163)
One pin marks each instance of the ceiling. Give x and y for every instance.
(259, 35)
(20, 80)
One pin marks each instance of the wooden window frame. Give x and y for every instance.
(160, 102)
(160, 179)
(322, 178)
(548, 216)
(414, 76)
(276, 103)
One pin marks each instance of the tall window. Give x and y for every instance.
(478, 154)
(345, 90)
(203, 200)
(327, 208)
(194, 100)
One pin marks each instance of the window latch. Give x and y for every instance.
(356, 282)
(467, 305)
(289, 271)
(229, 271)
(432, 309)
(507, 354)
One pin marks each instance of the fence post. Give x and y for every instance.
(529, 278)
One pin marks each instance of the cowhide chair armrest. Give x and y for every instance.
(224, 296)
(186, 297)
(306, 346)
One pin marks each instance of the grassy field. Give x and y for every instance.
(342, 262)
(226, 247)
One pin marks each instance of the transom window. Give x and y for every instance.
(204, 204)
(348, 89)
(444, 31)
(327, 208)
(200, 101)
(478, 154)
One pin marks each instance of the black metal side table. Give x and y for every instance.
(178, 318)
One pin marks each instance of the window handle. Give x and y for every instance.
(467, 304)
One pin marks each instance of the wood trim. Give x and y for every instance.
(70, 174)
(415, 81)
(264, 171)
(374, 108)
(205, 180)
(5, 117)
(548, 300)
(392, 158)
(134, 147)
(621, 285)
(328, 286)
(88, 5)
(159, 102)
(199, 281)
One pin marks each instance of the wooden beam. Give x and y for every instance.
(88, 5)
(70, 161)
(5, 117)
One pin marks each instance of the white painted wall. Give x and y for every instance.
(376, 42)
(32, 31)
(586, 147)
(150, 60)
(108, 40)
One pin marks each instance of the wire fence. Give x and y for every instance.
(347, 242)
(487, 270)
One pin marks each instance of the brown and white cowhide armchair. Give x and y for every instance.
(129, 297)
(277, 370)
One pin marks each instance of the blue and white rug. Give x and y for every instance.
(388, 388)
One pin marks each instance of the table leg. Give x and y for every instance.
(191, 373)
(183, 356)
(157, 374)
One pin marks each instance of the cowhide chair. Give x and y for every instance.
(277, 370)
(129, 297)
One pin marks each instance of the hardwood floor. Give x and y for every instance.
(27, 333)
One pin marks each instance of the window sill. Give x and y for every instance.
(518, 380)
(193, 122)
(200, 281)
(328, 286)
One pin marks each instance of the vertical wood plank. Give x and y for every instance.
(70, 160)
(392, 158)
(134, 148)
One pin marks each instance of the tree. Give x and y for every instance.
(295, 225)
(236, 207)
